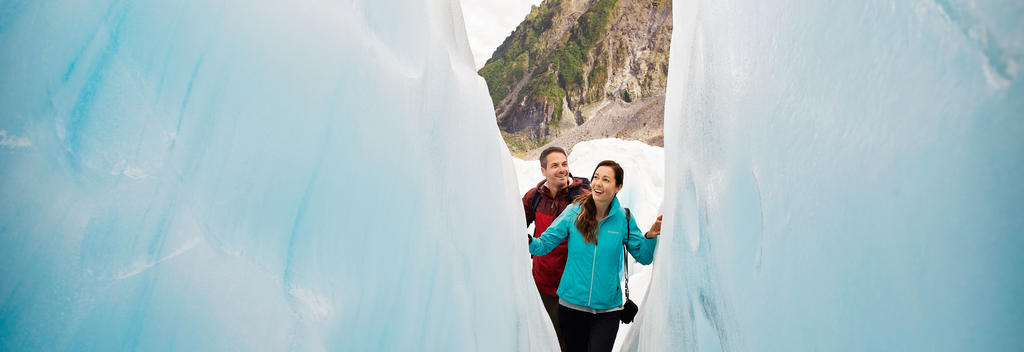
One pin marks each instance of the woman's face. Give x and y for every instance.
(603, 185)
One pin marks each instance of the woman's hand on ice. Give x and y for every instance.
(655, 229)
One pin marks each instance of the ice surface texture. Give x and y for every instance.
(841, 176)
(239, 175)
(327, 176)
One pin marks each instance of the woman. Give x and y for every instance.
(590, 297)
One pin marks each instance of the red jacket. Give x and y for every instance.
(547, 269)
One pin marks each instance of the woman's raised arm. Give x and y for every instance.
(640, 245)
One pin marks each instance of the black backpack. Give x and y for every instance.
(573, 193)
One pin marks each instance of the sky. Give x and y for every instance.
(489, 22)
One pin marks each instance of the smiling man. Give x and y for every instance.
(542, 205)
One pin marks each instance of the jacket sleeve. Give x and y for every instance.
(527, 198)
(555, 234)
(639, 246)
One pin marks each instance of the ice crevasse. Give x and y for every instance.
(328, 175)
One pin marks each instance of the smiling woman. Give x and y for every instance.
(605, 184)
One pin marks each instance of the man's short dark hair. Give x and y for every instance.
(544, 155)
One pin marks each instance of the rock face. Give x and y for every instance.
(580, 69)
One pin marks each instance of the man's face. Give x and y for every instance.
(556, 170)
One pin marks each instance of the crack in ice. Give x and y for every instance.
(142, 267)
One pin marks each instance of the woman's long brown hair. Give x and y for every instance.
(586, 222)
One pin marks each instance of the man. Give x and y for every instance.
(542, 205)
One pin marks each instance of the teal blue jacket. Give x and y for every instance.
(591, 276)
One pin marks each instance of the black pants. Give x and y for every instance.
(587, 331)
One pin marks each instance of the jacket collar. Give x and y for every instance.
(615, 208)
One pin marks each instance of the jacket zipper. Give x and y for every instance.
(593, 265)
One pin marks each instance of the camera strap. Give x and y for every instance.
(625, 261)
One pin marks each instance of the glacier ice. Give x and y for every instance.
(327, 176)
(240, 175)
(841, 176)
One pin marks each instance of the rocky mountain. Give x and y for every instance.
(576, 70)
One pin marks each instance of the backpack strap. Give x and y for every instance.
(576, 191)
(625, 262)
(536, 202)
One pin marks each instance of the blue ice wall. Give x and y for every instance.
(239, 175)
(842, 176)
